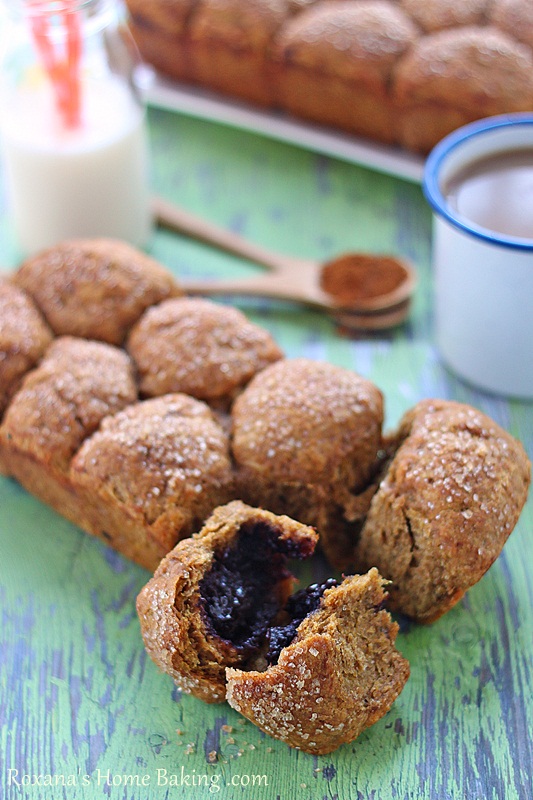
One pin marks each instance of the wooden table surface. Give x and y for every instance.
(80, 702)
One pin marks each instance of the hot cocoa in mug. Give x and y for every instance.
(479, 182)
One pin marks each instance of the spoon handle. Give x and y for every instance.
(272, 286)
(169, 216)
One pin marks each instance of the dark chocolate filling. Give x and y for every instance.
(240, 595)
(239, 592)
(298, 607)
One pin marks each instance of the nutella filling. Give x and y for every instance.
(242, 594)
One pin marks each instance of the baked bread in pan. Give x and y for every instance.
(402, 72)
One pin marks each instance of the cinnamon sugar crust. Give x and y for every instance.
(240, 27)
(448, 502)
(515, 17)
(434, 15)
(59, 404)
(473, 63)
(309, 422)
(63, 400)
(307, 438)
(354, 41)
(203, 349)
(24, 336)
(228, 44)
(335, 63)
(94, 288)
(455, 76)
(340, 674)
(152, 473)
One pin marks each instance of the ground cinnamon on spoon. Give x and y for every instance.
(358, 277)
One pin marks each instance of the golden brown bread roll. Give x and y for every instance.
(307, 439)
(24, 336)
(151, 474)
(336, 61)
(203, 349)
(94, 288)
(229, 42)
(456, 76)
(515, 17)
(449, 499)
(309, 422)
(59, 404)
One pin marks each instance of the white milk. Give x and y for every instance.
(85, 182)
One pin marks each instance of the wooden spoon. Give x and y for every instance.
(362, 291)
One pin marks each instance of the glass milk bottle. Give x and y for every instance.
(72, 127)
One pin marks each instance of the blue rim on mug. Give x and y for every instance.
(437, 158)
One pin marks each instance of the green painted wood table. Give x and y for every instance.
(80, 702)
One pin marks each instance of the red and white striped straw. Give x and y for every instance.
(63, 68)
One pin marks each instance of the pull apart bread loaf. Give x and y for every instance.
(145, 417)
(403, 72)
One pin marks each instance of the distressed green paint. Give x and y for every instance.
(78, 696)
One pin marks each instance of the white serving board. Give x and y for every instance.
(164, 93)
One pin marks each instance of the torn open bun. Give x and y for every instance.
(313, 668)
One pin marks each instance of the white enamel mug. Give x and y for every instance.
(483, 279)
